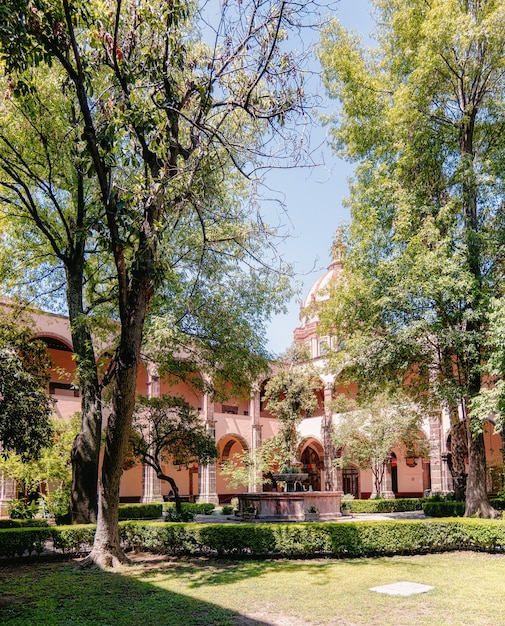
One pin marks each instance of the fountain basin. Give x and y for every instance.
(291, 506)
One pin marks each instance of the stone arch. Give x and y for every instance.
(311, 454)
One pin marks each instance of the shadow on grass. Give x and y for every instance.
(56, 593)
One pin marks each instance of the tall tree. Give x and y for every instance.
(422, 115)
(168, 124)
(25, 408)
(46, 197)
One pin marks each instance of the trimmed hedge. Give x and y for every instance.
(195, 508)
(341, 539)
(337, 540)
(19, 541)
(398, 505)
(444, 508)
(23, 523)
(151, 510)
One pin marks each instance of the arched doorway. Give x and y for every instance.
(312, 466)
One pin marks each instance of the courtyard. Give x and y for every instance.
(204, 592)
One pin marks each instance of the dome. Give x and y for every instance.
(320, 289)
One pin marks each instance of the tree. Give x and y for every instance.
(367, 436)
(290, 395)
(167, 430)
(49, 476)
(25, 408)
(46, 200)
(422, 117)
(170, 128)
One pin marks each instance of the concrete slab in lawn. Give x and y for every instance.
(402, 589)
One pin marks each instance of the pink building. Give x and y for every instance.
(239, 424)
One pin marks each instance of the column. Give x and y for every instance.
(441, 480)
(151, 484)
(256, 483)
(7, 493)
(207, 473)
(332, 476)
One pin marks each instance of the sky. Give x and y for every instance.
(313, 200)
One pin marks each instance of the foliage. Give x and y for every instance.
(150, 510)
(20, 509)
(290, 397)
(52, 469)
(395, 505)
(421, 116)
(443, 508)
(367, 436)
(25, 408)
(23, 541)
(167, 429)
(154, 114)
(196, 508)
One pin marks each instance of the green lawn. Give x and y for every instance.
(468, 590)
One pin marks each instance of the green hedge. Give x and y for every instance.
(337, 540)
(397, 505)
(23, 523)
(341, 539)
(196, 508)
(444, 508)
(19, 541)
(152, 510)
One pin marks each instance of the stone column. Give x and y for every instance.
(332, 476)
(151, 484)
(256, 438)
(207, 473)
(7, 493)
(441, 480)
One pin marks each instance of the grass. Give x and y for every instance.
(468, 590)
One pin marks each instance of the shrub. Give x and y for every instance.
(442, 508)
(397, 505)
(196, 508)
(23, 523)
(19, 509)
(77, 538)
(227, 509)
(19, 541)
(151, 510)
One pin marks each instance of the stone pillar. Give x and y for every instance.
(207, 473)
(151, 484)
(7, 493)
(441, 480)
(255, 485)
(332, 476)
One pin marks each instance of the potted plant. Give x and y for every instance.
(346, 504)
(311, 514)
(249, 512)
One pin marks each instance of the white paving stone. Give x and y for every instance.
(403, 588)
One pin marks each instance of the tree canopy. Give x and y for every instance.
(174, 112)
(422, 116)
(25, 407)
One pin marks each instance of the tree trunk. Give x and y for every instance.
(477, 502)
(175, 489)
(107, 551)
(86, 447)
(458, 456)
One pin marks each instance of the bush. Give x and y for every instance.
(398, 505)
(151, 510)
(361, 539)
(227, 510)
(23, 523)
(78, 538)
(19, 541)
(443, 508)
(19, 509)
(196, 508)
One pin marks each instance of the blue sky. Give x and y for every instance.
(313, 200)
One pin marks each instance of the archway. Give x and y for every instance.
(230, 446)
(312, 459)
